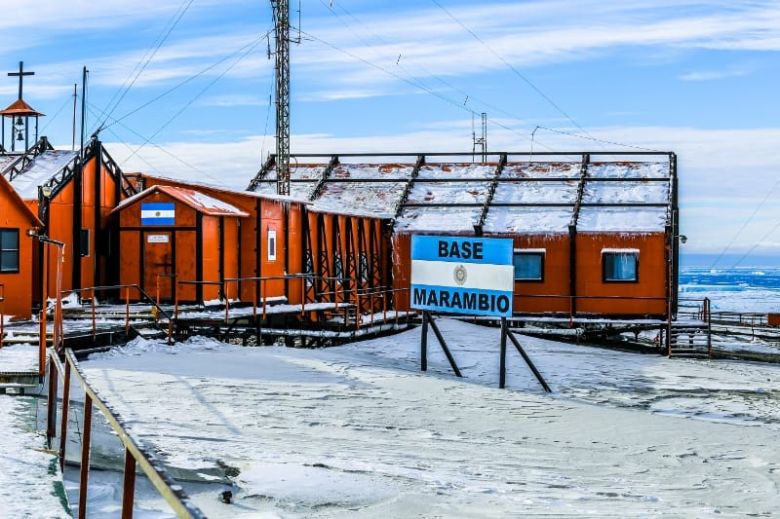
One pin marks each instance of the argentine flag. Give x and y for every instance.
(158, 213)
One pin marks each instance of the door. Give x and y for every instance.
(159, 269)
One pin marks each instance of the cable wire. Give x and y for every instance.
(187, 80)
(511, 67)
(145, 60)
(195, 98)
(755, 246)
(745, 224)
(456, 104)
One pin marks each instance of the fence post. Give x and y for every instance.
(85, 449)
(357, 310)
(128, 486)
(303, 297)
(227, 300)
(127, 311)
(51, 409)
(264, 295)
(64, 422)
(94, 317)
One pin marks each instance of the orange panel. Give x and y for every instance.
(210, 257)
(129, 259)
(599, 296)
(186, 254)
(17, 286)
(551, 294)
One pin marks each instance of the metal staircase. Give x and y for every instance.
(691, 337)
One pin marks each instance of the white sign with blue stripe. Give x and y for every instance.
(158, 213)
(471, 276)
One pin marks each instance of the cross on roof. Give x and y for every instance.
(21, 75)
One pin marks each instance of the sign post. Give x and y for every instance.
(466, 276)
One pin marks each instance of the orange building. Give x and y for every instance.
(73, 196)
(284, 239)
(594, 234)
(179, 242)
(16, 252)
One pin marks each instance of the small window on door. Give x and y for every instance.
(529, 265)
(84, 242)
(9, 250)
(271, 245)
(620, 266)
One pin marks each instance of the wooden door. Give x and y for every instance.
(159, 264)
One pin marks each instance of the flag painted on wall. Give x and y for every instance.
(158, 213)
(471, 276)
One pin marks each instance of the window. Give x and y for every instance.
(84, 242)
(9, 250)
(620, 266)
(529, 265)
(271, 245)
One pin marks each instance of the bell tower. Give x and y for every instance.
(19, 114)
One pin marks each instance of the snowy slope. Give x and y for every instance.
(28, 476)
(359, 431)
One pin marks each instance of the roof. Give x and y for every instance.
(20, 107)
(11, 193)
(40, 170)
(196, 200)
(511, 193)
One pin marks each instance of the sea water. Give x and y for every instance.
(742, 289)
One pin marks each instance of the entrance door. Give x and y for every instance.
(158, 264)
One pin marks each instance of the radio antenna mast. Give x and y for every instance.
(281, 10)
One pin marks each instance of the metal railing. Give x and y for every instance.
(124, 291)
(135, 455)
(260, 297)
(376, 300)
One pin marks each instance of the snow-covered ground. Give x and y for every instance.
(359, 431)
(30, 483)
(19, 358)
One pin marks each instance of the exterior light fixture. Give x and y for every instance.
(46, 191)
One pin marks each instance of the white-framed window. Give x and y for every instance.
(620, 265)
(529, 264)
(9, 251)
(271, 245)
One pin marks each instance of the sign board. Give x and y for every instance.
(157, 238)
(471, 276)
(158, 213)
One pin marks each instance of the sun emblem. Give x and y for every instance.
(460, 275)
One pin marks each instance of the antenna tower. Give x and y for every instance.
(281, 10)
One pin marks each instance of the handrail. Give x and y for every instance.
(135, 454)
(126, 287)
(263, 280)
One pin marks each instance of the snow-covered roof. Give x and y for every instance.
(195, 199)
(40, 170)
(536, 195)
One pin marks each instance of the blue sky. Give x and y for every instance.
(699, 78)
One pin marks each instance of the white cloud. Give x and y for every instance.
(713, 75)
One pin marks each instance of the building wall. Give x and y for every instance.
(551, 295)
(98, 199)
(647, 297)
(17, 287)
